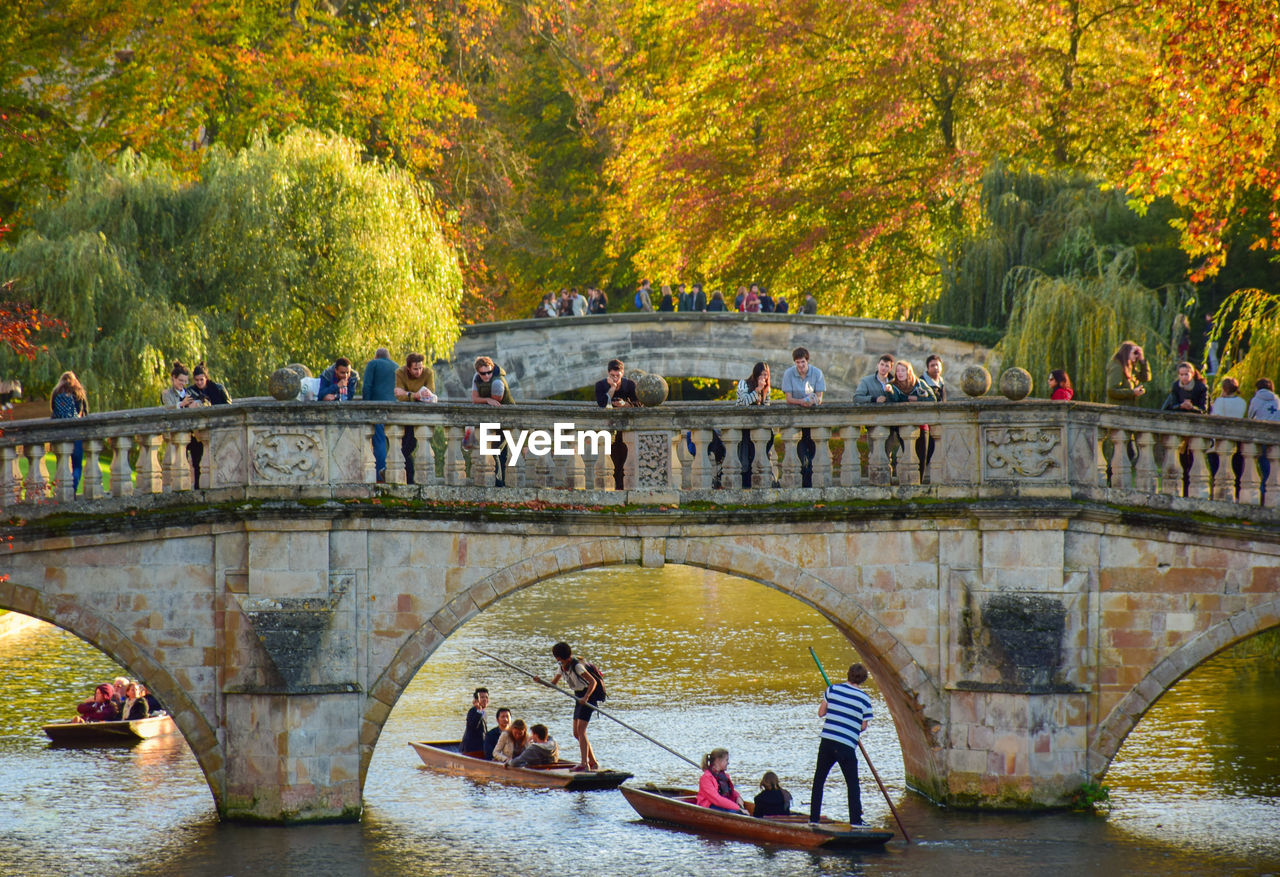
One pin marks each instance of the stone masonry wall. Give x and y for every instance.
(1015, 649)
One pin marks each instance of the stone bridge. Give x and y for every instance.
(545, 357)
(1022, 596)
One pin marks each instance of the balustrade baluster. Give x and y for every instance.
(1145, 471)
(908, 459)
(121, 482)
(821, 456)
(932, 444)
(790, 454)
(702, 466)
(878, 465)
(731, 472)
(206, 460)
(1104, 478)
(1198, 476)
(849, 462)
(761, 466)
(64, 486)
(177, 476)
(482, 467)
(455, 464)
(168, 455)
(91, 474)
(10, 477)
(682, 457)
(541, 470)
(631, 466)
(424, 456)
(602, 473)
(1272, 455)
(677, 467)
(1121, 465)
(1249, 474)
(573, 472)
(37, 482)
(1223, 487)
(590, 460)
(1171, 468)
(395, 471)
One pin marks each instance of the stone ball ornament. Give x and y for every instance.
(1016, 383)
(302, 370)
(651, 390)
(284, 384)
(975, 380)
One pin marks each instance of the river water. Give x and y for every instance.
(697, 660)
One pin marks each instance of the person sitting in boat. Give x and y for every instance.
(102, 708)
(153, 704)
(491, 737)
(118, 686)
(715, 789)
(473, 737)
(512, 741)
(773, 800)
(542, 749)
(135, 705)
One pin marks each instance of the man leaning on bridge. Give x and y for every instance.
(379, 386)
(615, 391)
(415, 382)
(804, 385)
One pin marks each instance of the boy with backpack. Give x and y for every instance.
(588, 686)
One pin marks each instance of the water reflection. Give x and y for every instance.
(698, 660)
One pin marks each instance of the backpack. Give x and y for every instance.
(639, 301)
(596, 675)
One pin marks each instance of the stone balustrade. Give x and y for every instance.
(681, 453)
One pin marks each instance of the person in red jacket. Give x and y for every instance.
(101, 709)
(715, 789)
(1060, 386)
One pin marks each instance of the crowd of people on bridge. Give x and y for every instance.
(121, 700)
(803, 384)
(671, 298)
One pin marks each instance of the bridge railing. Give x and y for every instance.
(719, 454)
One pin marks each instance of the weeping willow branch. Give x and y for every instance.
(1077, 322)
(1247, 326)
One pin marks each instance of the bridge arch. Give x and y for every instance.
(914, 701)
(1124, 717)
(90, 626)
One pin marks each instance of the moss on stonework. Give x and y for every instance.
(62, 523)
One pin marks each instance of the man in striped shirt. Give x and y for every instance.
(848, 711)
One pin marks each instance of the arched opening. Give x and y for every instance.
(74, 809)
(1203, 762)
(696, 659)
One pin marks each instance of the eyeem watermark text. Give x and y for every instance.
(562, 440)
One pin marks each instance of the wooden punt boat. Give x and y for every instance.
(111, 732)
(676, 807)
(445, 757)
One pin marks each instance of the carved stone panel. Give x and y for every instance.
(287, 456)
(1023, 453)
(653, 459)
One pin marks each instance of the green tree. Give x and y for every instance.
(305, 252)
(1054, 223)
(292, 249)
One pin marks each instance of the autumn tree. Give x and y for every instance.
(824, 146)
(293, 249)
(165, 79)
(1213, 116)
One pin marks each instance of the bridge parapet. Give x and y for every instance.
(979, 449)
